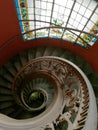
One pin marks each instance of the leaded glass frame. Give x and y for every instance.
(72, 20)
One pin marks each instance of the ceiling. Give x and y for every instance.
(72, 20)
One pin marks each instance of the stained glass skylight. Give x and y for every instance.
(72, 20)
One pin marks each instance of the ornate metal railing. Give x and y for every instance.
(71, 105)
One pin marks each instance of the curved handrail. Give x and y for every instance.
(9, 41)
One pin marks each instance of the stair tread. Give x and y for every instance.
(79, 61)
(4, 83)
(87, 68)
(48, 51)
(23, 57)
(7, 111)
(16, 112)
(94, 78)
(40, 51)
(17, 65)
(5, 91)
(4, 74)
(6, 98)
(7, 104)
(31, 54)
(10, 68)
(57, 52)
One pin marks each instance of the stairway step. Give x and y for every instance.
(68, 55)
(4, 74)
(94, 78)
(34, 82)
(5, 91)
(30, 85)
(7, 104)
(21, 115)
(57, 52)
(48, 51)
(16, 62)
(27, 89)
(40, 51)
(87, 69)
(17, 65)
(16, 112)
(50, 99)
(79, 62)
(4, 83)
(7, 110)
(95, 88)
(6, 98)
(31, 54)
(64, 55)
(10, 68)
(37, 80)
(23, 57)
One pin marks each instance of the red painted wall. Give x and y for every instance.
(8, 20)
(9, 27)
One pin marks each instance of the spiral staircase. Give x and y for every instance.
(41, 88)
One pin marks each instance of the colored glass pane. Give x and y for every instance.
(76, 21)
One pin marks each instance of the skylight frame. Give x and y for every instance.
(48, 18)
